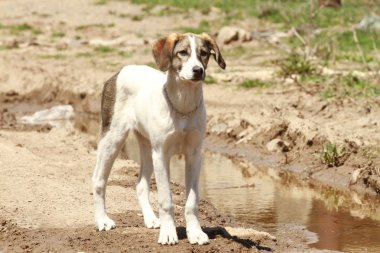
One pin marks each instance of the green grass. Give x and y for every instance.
(340, 86)
(366, 39)
(89, 26)
(355, 86)
(240, 52)
(253, 83)
(53, 56)
(151, 64)
(3, 48)
(101, 2)
(350, 86)
(204, 26)
(295, 13)
(287, 12)
(125, 54)
(20, 28)
(210, 80)
(354, 57)
(137, 17)
(58, 34)
(104, 49)
(85, 54)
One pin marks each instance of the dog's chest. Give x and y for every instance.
(183, 142)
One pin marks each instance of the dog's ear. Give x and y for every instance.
(163, 51)
(214, 47)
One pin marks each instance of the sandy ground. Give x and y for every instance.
(45, 189)
(46, 202)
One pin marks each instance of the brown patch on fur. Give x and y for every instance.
(203, 51)
(108, 103)
(182, 44)
(163, 51)
(214, 47)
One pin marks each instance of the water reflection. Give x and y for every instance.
(341, 222)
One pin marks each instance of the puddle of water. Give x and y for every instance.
(264, 199)
(261, 197)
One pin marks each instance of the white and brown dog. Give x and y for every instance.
(167, 113)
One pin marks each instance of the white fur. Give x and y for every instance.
(141, 106)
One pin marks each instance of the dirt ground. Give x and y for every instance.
(64, 56)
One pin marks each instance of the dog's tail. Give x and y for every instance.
(107, 104)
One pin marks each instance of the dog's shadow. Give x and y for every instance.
(214, 232)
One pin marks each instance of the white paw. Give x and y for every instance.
(197, 236)
(168, 235)
(105, 223)
(151, 221)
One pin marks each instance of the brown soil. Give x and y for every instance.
(45, 190)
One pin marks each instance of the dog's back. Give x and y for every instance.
(132, 79)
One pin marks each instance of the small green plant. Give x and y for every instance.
(372, 151)
(151, 64)
(359, 87)
(58, 34)
(89, 26)
(53, 56)
(210, 80)
(331, 153)
(296, 64)
(125, 54)
(253, 83)
(328, 93)
(3, 48)
(101, 2)
(16, 29)
(350, 85)
(104, 49)
(137, 17)
(21, 28)
(85, 54)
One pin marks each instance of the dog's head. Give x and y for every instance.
(187, 55)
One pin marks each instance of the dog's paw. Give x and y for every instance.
(105, 223)
(168, 235)
(197, 236)
(151, 221)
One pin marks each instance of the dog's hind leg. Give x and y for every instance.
(195, 235)
(108, 149)
(143, 182)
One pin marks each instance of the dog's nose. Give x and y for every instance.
(197, 70)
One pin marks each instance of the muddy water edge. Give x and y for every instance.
(251, 190)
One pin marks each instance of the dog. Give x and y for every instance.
(165, 109)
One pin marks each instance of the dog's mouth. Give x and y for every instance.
(194, 78)
(198, 77)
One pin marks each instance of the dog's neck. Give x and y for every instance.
(184, 96)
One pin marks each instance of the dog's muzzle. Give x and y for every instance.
(198, 73)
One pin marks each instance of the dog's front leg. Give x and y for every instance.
(168, 234)
(193, 228)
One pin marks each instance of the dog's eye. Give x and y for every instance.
(204, 53)
(183, 53)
